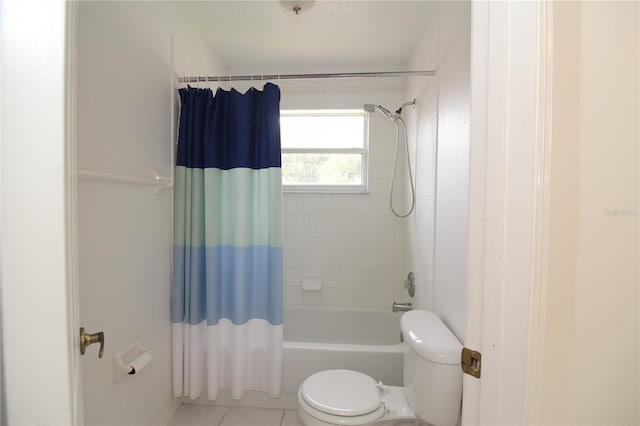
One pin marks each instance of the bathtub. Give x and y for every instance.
(322, 338)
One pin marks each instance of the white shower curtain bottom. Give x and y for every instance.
(226, 356)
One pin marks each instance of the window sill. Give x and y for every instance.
(328, 190)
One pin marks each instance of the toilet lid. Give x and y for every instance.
(341, 392)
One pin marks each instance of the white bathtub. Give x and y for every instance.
(322, 338)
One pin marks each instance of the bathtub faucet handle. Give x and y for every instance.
(401, 307)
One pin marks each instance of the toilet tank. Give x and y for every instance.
(432, 373)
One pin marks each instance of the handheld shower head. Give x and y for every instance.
(400, 128)
(379, 108)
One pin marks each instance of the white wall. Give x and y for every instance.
(437, 235)
(591, 362)
(124, 114)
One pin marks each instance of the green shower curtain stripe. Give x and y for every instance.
(236, 207)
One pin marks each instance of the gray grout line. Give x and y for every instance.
(226, 411)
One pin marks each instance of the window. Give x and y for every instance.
(324, 150)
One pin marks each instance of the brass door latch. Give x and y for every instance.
(471, 362)
(87, 339)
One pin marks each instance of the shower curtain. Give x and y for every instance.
(227, 280)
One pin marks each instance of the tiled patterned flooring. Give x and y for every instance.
(209, 415)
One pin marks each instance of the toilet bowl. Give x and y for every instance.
(347, 397)
(432, 381)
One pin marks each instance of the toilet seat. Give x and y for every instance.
(341, 393)
(342, 397)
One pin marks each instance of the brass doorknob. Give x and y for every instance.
(87, 339)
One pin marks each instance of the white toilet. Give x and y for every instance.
(432, 389)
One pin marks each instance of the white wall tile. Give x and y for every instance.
(294, 223)
(331, 224)
(294, 240)
(384, 296)
(293, 258)
(312, 206)
(294, 204)
(293, 277)
(313, 223)
(340, 296)
(341, 277)
(312, 297)
(312, 240)
(293, 296)
(312, 260)
(351, 206)
(332, 206)
(366, 296)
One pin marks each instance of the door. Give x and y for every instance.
(508, 193)
(39, 345)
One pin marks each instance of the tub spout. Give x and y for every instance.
(401, 307)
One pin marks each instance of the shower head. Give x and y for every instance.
(379, 108)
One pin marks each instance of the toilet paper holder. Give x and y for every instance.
(129, 361)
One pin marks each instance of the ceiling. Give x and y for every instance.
(344, 35)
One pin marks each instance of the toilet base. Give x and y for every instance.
(311, 421)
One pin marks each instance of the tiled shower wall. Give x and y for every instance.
(351, 240)
(420, 228)
(437, 234)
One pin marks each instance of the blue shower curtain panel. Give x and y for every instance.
(228, 283)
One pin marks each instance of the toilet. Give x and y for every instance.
(431, 391)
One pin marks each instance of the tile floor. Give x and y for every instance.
(209, 415)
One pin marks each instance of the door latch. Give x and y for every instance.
(87, 339)
(471, 362)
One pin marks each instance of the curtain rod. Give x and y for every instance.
(258, 77)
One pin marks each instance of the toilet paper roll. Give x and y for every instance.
(140, 362)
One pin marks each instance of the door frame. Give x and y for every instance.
(73, 283)
(508, 208)
(39, 343)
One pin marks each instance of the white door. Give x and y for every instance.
(506, 208)
(39, 339)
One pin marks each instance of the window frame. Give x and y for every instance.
(362, 188)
